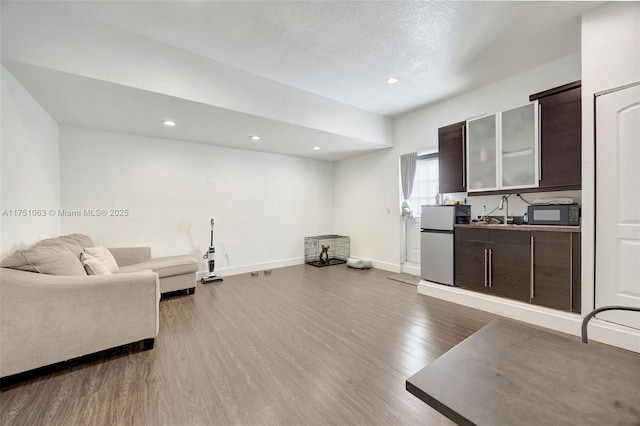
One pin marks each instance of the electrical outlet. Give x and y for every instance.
(388, 210)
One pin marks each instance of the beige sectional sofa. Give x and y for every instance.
(50, 317)
(46, 319)
(175, 272)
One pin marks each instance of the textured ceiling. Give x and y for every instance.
(299, 73)
(345, 50)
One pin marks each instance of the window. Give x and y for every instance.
(425, 185)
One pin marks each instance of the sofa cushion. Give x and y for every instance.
(93, 266)
(52, 259)
(103, 255)
(166, 266)
(80, 239)
(74, 242)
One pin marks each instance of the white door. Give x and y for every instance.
(413, 240)
(618, 204)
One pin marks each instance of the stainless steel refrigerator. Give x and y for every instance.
(437, 241)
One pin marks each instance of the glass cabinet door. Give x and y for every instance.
(519, 147)
(481, 154)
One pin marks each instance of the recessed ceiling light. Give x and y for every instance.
(315, 148)
(392, 80)
(254, 138)
(169, 123)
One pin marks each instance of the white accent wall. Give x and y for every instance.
(263, 204)
(610, 59)
(367, 194)
(30, 169)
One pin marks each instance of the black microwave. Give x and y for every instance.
(555, 214)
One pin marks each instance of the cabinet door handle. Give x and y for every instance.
(486, 282)
(539, 143)
(532, 276)
(490, 267)
(571, 272)
(464, 158)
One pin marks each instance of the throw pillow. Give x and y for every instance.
(103, 255)
(93, 266)
(51, 259)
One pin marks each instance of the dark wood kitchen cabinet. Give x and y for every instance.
(560, 118)
(471, 259)
(538, 267)
(452, 158)
(509, 265)
(556, 264)
(551, 261)
(493, 261)
(560, 146)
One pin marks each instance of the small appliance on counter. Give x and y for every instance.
(554, 214)
(437, 241)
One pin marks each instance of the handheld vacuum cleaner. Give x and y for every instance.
(211, 256)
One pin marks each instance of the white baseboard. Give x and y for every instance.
(566, 322)
(391, 267)
(226, 272)
(411, 268)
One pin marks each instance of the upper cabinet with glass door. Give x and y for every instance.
(519, 147)
(482, 143)
(502, 150)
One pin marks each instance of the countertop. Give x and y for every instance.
(510, 227)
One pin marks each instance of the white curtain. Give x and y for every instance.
(407, 176)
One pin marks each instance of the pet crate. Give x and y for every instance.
(338, 250)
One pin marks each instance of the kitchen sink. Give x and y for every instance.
(498, 224)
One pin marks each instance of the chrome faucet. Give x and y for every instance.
(504, 205)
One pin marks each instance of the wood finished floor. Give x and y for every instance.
(303, 345)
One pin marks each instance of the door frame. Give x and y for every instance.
(604, 316)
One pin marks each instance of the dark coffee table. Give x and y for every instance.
(511, 374)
